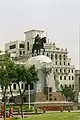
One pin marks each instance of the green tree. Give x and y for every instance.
(7, 73)
(24, 75)
(68, 93)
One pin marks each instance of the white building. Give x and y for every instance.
(17, 48)
(63, 70)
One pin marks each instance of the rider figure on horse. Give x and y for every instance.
(38, 44)
(37, 39)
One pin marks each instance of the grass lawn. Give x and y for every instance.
(55, 116)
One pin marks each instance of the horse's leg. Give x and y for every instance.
(44, 49)
(33, 49)
(39, 51)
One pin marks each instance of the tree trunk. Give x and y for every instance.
(10, 90)
(4, 106)
(21, 110)
(21, 100)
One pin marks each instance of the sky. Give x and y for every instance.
(59, 18)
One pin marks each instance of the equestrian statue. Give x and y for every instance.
(38, 44)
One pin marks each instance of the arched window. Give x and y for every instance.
(51, 56)
(60, 77)
(60, 57)
(72, 78)
(64, 77)
(56, 56)
(64, 57)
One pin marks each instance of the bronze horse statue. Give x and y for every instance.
(38, 45)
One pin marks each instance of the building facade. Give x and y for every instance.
(15, 48)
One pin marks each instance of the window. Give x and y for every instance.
(56, 70)
(51, 56)
(26, 86)
(73, 87)
(70, 85)
(50, 89)
(23, 52)
(60, 70)
(64, 77)
(56, 56)
(21, 45)
(69, 77)
(65, 85)
(68, 64)
(50, 99)
(50, 95)
(28, 46)
(61, 86)
(60, 57)
(12, 46)
(69, 70)
(60, 77)
(60, 62)
(72, 70)
(54, 77)
(56, 62)
(55, 99)
(64, 63)
(14, 86)
(20, 52)
(72, 78)
(22, 86)
(64, 57)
